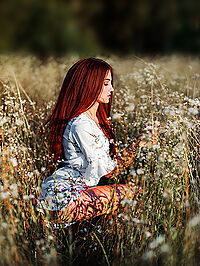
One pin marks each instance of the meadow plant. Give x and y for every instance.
(156, 101)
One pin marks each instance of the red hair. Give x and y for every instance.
(80, 90)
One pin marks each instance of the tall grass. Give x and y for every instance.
(156, 99)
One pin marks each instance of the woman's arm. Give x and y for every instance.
(125, 158)
(127, 155)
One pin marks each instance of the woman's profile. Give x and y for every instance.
(82, 137)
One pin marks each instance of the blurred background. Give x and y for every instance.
(90, 27)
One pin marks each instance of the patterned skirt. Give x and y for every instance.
(60, 189)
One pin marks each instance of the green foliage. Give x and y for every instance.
(57, 27)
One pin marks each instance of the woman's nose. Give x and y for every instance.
(111, 88)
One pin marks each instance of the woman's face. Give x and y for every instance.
(107, 88)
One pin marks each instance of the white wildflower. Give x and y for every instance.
(140, 171)
(30, 174)
(193, 111)
(187, 203)
(148, 255)
(157, 241)
(124, 201)
(165, 195)
(37, 242)
(194, 221)
(156, 146)
(148, 234)
(14, 162)
(19, 122)
(4, 195)
(3, 121)
(131, 107)
(4, 225)
(164, 248)
(137, 221)
(36, 172)
(161, 159)
(116, 116)
(14, 189)
(133, 173)
(50, 237)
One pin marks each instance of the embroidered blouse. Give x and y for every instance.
(86, 151)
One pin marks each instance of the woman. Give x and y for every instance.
(81, 135)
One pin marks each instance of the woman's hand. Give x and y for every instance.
(142, 144)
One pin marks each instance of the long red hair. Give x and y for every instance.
(80, 90)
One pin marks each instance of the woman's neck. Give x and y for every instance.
(93, 110)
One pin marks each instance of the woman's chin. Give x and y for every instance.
(104, 101)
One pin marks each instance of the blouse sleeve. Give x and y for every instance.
(95, 149)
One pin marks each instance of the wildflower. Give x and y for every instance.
(14, 189)
(37, 242)
(133, 173)
(164, 248)
(50, 237)
(148, 234)
(22, 148)
(193, 111)
(124, 201)
(166, 193)
(25, 197)
(19, 122)
(37, 189)
(36, 172)
(156, 242)
(187, 204)
(143, 96)
(3, 121)
(140, 171)
(120, 215)
(161, 159)
(116, 116)
(133, 203)
(30, 174)
(43, 169)
(131, 107)
(156, 146)
(137, 221)
(148, 255)
(126, 217)
(4, 225)
(4, 195)
(194, 221)
(14, 162)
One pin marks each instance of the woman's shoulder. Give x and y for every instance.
(79, 123)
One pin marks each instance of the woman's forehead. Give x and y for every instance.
(108, 75)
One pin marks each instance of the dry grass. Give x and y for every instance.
(160, 229)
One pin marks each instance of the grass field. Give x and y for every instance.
(163, 227)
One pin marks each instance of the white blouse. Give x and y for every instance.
(86, 151)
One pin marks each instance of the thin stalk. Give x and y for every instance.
(104, 252)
